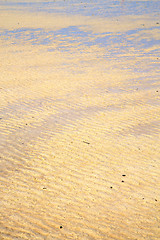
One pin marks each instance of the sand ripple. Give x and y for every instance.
(79, 136)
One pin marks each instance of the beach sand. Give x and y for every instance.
(79, 129)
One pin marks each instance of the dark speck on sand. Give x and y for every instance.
(86, 142)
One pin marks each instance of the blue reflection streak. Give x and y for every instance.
(103, 8)
(71, 35)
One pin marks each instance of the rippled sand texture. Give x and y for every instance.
(79, 120)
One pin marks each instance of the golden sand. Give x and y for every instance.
(79, 143)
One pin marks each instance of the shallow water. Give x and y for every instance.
(79, 119)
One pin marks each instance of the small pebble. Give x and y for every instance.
(110, 187)
(44, 188)
(156, 200)
(123, 175)
(86, 142)
(122, 181)
(61, 227)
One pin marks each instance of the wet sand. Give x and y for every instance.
(79, 125)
